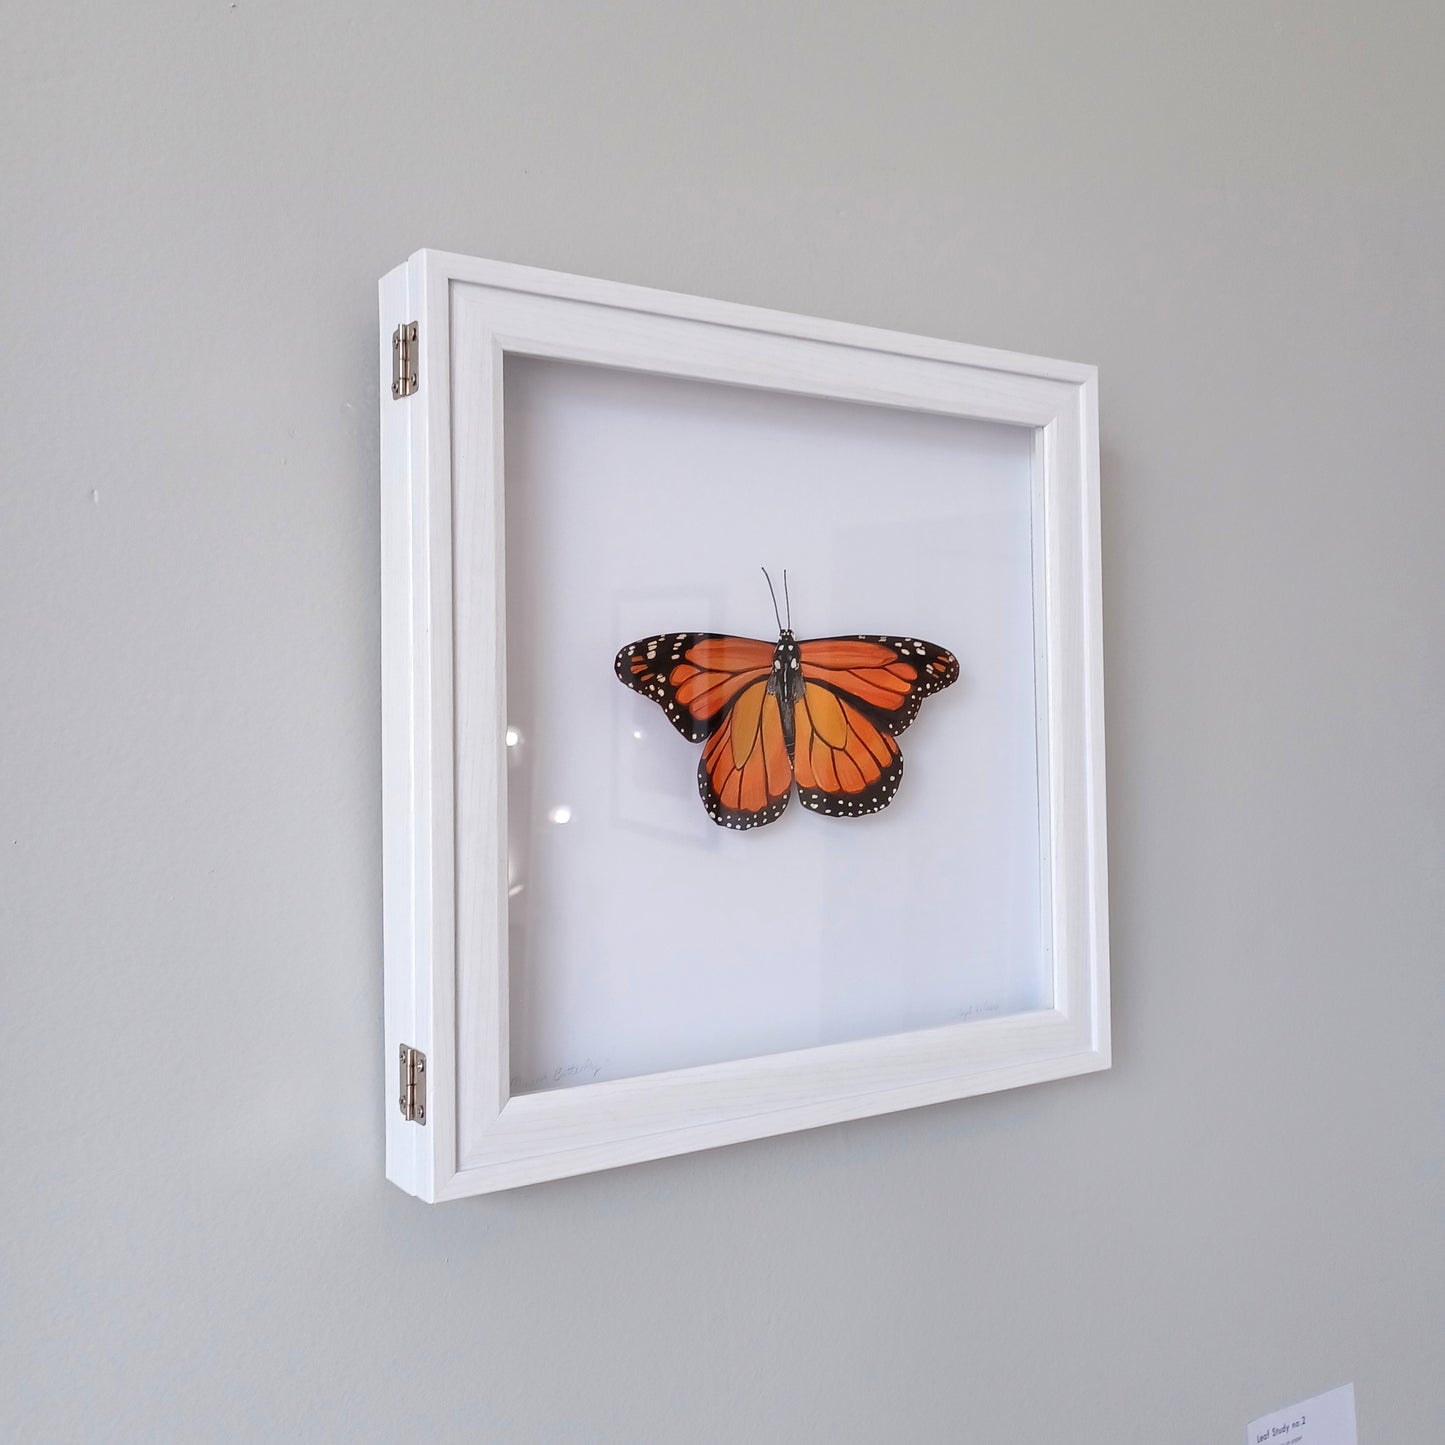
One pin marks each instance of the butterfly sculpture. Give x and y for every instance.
(823, 713)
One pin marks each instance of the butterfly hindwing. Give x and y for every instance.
(846, 763)
(693, 676)
(745, 775)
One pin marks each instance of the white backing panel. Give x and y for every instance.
(642, 936)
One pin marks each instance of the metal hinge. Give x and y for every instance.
(403, 360)
(413, 1084)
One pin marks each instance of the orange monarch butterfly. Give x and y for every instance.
(823, 713)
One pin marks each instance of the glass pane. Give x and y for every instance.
(644, 937)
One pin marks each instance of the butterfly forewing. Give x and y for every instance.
(744, 774)
(887, 678)
(693, 676)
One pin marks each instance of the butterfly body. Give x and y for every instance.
(785, 682)
(823, 714)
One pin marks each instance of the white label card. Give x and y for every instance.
(1327, 1419)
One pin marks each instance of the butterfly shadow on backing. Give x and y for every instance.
(825, 713)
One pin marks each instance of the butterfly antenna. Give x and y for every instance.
(774, 596)
(787, 601)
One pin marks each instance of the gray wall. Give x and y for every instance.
(1235, 209)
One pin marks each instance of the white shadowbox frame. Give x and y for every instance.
(445, 632)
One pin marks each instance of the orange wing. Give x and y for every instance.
(858, 694)
(694, 676)
(886, 678)
(745, 774)
(845, 763)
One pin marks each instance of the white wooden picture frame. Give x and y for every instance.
(457, 1120)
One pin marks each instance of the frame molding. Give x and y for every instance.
(444, 778)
